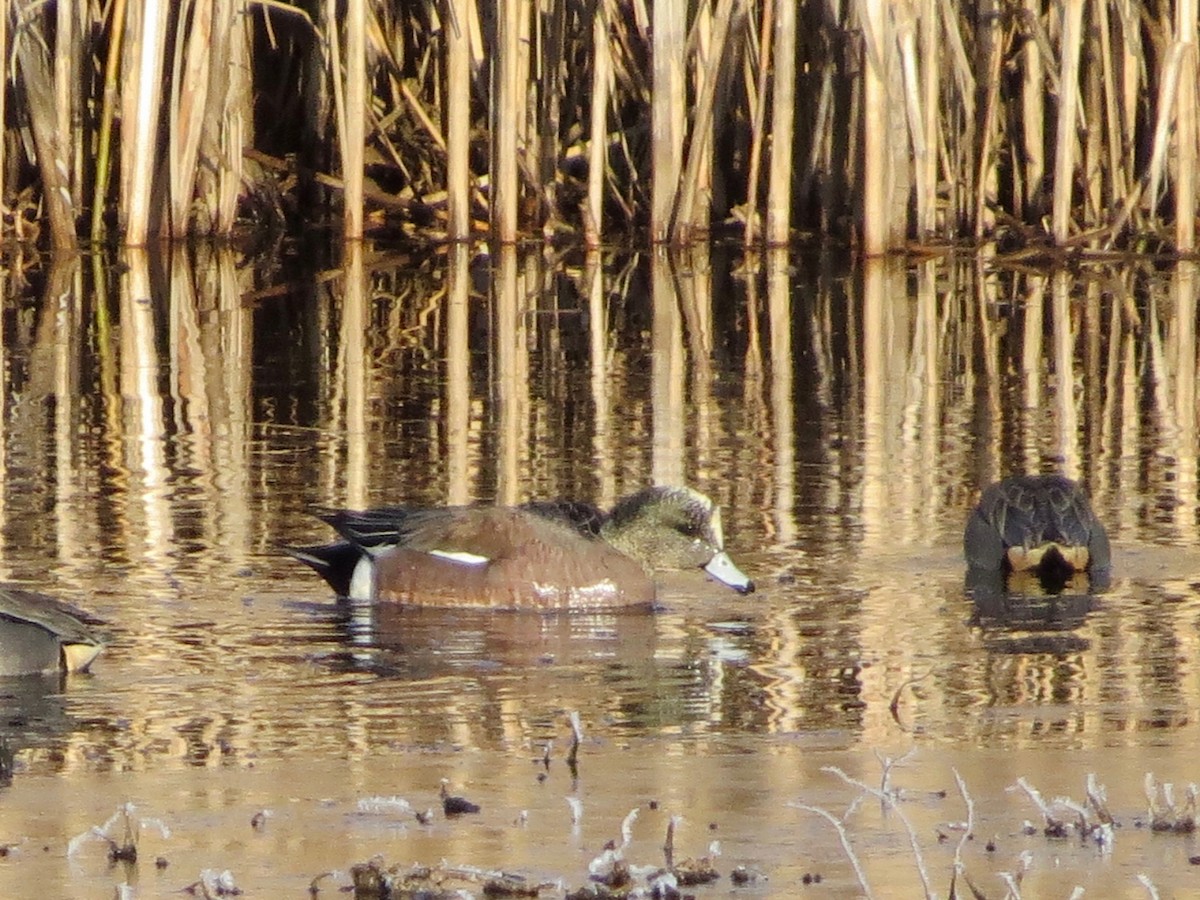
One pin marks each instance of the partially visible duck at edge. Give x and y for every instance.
(1039, 525)
(40, 635)
(545, 555)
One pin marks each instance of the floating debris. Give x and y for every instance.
(745, 875)
(374, 881)
(124, 850)
(376, 805)
(456, 806)
(259, 820)
(1091, 822)
(214, 884)
(1167, 816)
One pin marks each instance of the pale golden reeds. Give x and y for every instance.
(883, 123)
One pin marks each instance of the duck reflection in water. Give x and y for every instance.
(543, 555)
(41, 640)
(1036, 554)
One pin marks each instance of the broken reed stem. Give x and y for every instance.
(669, 842)
(576, 739)
(970, 827)
(846, 848)
(887, 797)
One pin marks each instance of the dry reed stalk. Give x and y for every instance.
(1168, 89)
(505, 119)
(593, 214)
(930, 83)
(1093, 150)
(1065, 149)
(5, 189)
(229, 112)
(915, 104)
(140, 121)
(103, 169)
(458, 121)
(1187, 129)
(757, 98)
(667, 104)
(692, 215)
(550, 90)
(960, 153)
(68, 59)
(1033, 114)
(189, 96)
(990, 55)
(783, 113)
(52, 152)
(1113, 126)
(875, 227)
(354, 144)
(1130, 77)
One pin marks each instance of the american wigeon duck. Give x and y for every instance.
(42, 635)
(1040, 525)
(541, 555)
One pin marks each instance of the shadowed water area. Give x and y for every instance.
(168, 423)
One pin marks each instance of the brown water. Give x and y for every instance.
(167, 425)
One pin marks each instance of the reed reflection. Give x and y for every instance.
(166, 422)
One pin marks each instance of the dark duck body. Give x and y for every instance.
(1040, 526)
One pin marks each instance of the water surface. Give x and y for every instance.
(168, 423)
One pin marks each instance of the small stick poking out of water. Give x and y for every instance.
(576, 739)
(669, 843)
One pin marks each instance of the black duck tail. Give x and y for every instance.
(334, 562)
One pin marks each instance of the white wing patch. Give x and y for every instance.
(461, 556)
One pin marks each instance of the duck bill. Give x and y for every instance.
(78, 657)
(721, 567)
